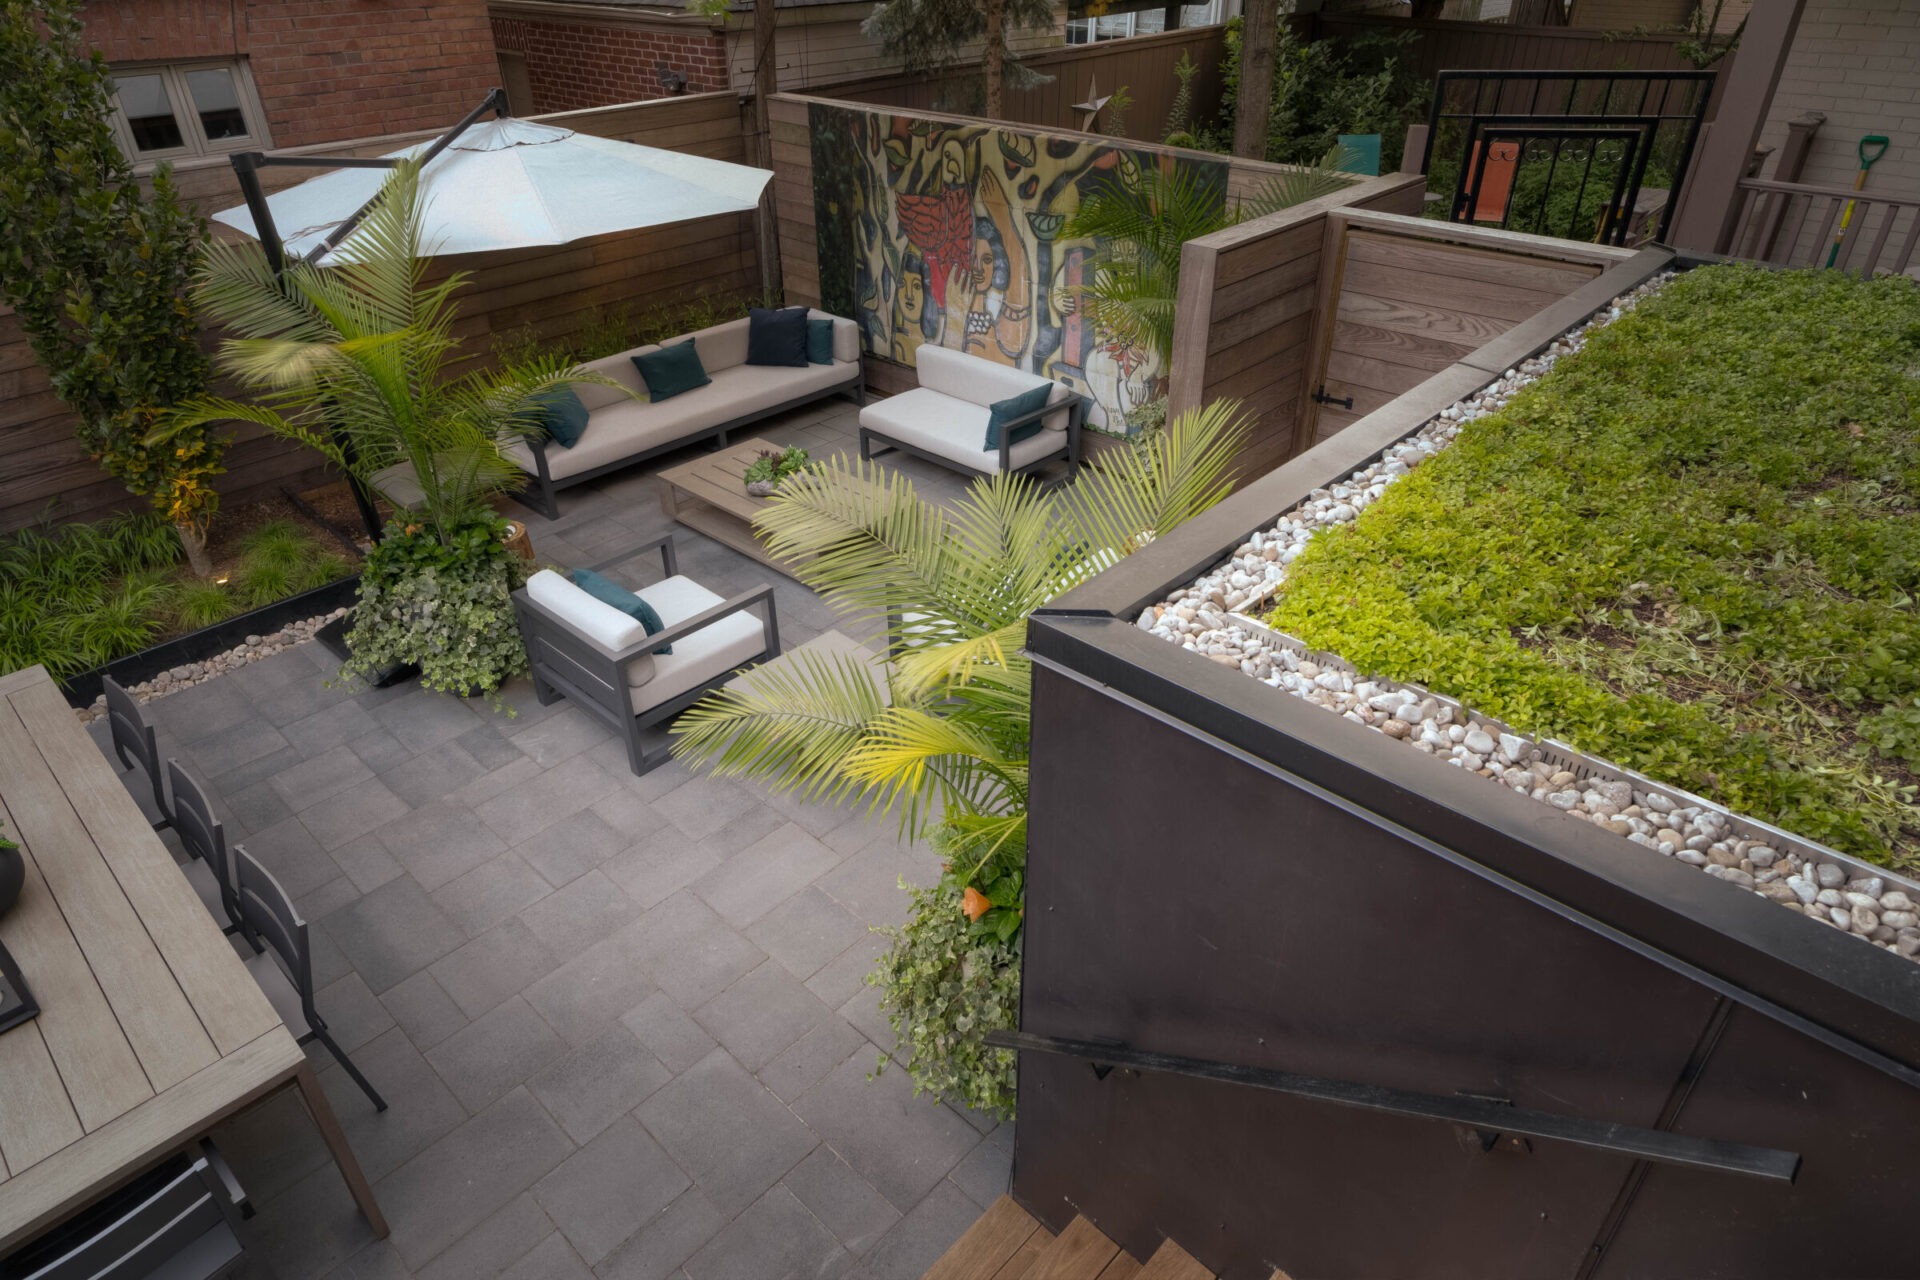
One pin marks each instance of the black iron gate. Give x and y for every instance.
(1564, 153)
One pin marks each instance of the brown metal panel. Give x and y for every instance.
(1188, 900)
(1856, 1130)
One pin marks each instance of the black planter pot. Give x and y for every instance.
(13, 873)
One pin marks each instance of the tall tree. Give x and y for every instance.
(99, 271)
(929, 35)
(1255, 101)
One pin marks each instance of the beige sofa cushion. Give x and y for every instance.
(983, 382)
(721, 346)
(952, 428)
(620, 368)
(710, 652)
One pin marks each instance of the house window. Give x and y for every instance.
(187, 109)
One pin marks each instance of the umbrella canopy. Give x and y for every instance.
(514, 184)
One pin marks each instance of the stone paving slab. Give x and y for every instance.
(622, 1021)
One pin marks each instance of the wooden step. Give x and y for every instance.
(1171, 1262)
(1003, 1245)
(1080, 1253)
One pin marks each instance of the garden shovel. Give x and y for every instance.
(1872, 147)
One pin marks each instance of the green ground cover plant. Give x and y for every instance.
(79, 596)
(1692, 548)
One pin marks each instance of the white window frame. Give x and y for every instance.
(195, 143)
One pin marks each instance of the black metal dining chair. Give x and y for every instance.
(177, 1221)
(285, 969)
(135, 743)
(209, 866)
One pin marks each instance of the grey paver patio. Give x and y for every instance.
(621, 1021)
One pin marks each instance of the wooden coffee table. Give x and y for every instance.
(708, 494)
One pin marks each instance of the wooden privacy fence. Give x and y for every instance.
(1483, 46)
(1355, 303)
(552, 292)
(1143, 64)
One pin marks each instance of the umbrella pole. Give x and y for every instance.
(247, 167)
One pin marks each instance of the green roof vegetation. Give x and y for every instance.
(1692, 548)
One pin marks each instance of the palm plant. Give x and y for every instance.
(350, 360)
(1141, 218)
(939, 733)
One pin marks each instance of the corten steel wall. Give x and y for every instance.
(44, 474)
(325, 69)
(589, 61)
(1221, 871)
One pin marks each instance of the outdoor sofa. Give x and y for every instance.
(622, 430)
(604, 662)
(944, 419)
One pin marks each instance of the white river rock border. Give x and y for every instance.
(253, 649)
(1213, 618)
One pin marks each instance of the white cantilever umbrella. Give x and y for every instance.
(514, 184)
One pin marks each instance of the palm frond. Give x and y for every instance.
(1142, 494)
(1300, 184)
(790, 725)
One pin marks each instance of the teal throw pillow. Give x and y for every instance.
(671, 370)
(1004, 411)
(819, 341)
(610, 592)
(562, 415)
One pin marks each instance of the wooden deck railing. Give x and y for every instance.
(1795, 225)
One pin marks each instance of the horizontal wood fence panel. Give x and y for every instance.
(1143, 65)
(1408, 301)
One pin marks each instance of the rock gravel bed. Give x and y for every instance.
(253, 650)
(1212, 618)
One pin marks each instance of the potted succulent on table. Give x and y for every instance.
(766, 473)
(350, 360)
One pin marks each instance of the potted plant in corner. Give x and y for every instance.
(350, 360)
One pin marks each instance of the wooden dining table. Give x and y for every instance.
(150, 1030)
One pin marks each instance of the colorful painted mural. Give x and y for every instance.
(936, 232)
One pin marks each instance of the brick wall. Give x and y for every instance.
(574, 65)
(325, 70)
(1859, 62)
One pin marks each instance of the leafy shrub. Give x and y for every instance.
(280, 559)
(81, 595)
(1324, 88)
(1693, 549)
(440, 601)
(197, 604)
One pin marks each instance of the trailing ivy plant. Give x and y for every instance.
(1693, 549)
(100, 272)
(434, 598)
